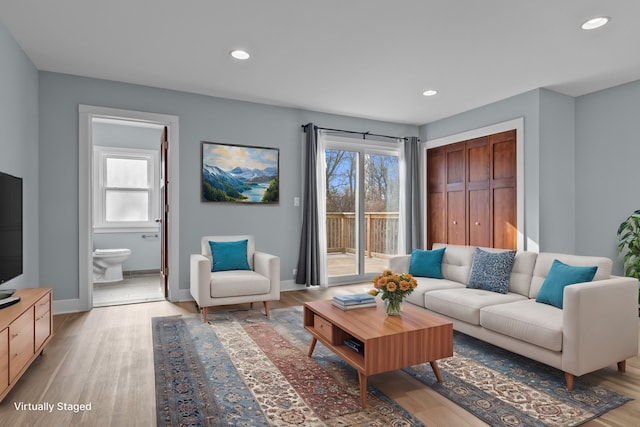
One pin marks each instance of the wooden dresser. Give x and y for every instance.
(25, 328)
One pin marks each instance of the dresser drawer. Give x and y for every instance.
(323, 327)
(21, 341)
(43, 321)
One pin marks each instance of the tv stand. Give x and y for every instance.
(26, 327)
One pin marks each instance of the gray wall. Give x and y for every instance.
(145, 252)
(202, 118)
(19, 146)
(557, 172)
(607, 171)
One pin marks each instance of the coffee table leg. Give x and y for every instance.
(436, 370)
(362, 378)
(312, 346)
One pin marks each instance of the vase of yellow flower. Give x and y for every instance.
(393, 288)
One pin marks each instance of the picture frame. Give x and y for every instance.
(232, 173)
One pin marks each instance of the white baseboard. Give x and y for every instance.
(65, 306)
(74, 306)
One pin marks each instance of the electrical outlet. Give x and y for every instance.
(295, 271)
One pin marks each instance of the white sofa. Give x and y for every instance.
(596, 327)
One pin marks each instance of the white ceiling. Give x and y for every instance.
(362, 58)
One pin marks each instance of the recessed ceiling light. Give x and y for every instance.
(594, 23)
(430, 92)
(240, 54)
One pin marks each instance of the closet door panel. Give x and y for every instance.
(437, 227)
(478, 160)
(456, 222)
(480, 218)
(504, 218)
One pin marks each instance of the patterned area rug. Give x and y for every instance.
(243, 369)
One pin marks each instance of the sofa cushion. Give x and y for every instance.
(238, 283)
(561, 275)
(465, 304)
(526, 320)
(491, 270)
(426, 263)
(545, 260)
(522, 272)
(427, 285)
(456, 261)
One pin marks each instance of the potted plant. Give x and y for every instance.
(629, 243)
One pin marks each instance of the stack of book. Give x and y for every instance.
(350, 302)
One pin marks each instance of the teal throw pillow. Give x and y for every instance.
(229, 256)
(491, 271)
(559, 276)
(426, 263)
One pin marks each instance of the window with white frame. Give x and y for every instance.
(125, 195)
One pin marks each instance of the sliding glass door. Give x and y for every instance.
(362, 208)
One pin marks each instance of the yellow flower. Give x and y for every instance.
(373, 292)
(391, 287)
(404, 285)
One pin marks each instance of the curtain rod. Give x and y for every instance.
(364, 134)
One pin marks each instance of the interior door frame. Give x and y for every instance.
(85, 183)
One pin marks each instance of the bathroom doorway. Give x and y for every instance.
(127, 193)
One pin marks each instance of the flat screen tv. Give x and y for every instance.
(10, 227)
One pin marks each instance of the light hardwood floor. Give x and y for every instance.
(104, 357)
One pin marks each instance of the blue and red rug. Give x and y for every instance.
(243, 369)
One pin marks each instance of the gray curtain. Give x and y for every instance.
(413, 217)
(308, 271)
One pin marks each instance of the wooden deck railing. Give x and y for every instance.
(381, 230)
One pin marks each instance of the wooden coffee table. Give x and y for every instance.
(389, 342)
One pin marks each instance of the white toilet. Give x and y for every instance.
(107, 264)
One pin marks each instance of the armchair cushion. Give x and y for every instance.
(229, 255)
(236, 283)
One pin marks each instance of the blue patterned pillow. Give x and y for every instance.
(491, 270)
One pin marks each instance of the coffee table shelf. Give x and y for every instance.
(389, 342)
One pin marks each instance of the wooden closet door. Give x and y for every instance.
(456, 194)
(504, 189)
(472, 192)
(436, 196)
(479, 192)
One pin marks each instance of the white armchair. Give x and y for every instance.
(258, 281)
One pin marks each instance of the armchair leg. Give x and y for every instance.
(205, 311)
(266, 309)
(622, 366)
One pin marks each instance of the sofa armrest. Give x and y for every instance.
(200, 279)
(269, 266)
(600, 324)
(400, 264)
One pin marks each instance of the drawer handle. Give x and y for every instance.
(15, 335)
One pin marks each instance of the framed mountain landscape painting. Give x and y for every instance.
(239, 173)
